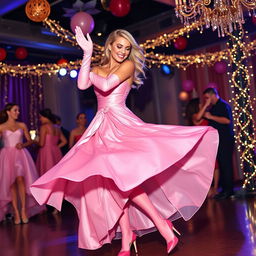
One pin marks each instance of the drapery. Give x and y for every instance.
(27, 92)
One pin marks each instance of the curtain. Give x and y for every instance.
(27, 92)
(202, 76)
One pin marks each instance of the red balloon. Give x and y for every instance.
(62, 61)
(254, 20)
(3, 54)
(120, 8)
(181, 43)
(21, 53)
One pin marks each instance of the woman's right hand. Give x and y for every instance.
(85, 44)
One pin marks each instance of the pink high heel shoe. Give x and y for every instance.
(133, 242)
(171, 244)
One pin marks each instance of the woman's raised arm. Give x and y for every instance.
(83, 81)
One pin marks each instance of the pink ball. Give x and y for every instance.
(220, 67)
(84, 21)
(188, 85)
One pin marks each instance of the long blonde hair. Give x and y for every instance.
(136, 54)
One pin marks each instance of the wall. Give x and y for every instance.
(61, 96)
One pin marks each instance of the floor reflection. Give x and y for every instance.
(247, 221)
(220, 228)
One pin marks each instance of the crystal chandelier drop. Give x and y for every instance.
(222, 15)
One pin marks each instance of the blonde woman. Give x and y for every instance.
(125, 175)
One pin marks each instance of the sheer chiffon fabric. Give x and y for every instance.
(117, 153)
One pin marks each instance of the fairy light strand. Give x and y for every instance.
(240, 82)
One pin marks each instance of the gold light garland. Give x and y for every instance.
(153, 59)
(66, 35)
(40, 69)
(184, 61)
(165, 39)
(242, 110)
(162, 40)
(179, 61)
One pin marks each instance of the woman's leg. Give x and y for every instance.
(22, 194)
(126, 230)
(141, 199)
(15, 203)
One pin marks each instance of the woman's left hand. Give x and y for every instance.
(85, 44)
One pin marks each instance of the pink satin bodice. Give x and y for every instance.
(112, 98)
(11, 139)
(51, 140)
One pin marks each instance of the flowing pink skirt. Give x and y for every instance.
(15, 163)
(118, 152)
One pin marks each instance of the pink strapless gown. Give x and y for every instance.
(118, 152)
(13, 163)
(48, 155)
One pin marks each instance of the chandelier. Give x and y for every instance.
(222, 15)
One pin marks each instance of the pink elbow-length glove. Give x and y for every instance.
(83, 81)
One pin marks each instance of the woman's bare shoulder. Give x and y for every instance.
(74, 131)
(128, 64)
(2, 127)
(22, 125)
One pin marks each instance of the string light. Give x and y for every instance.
(66, 35)
(184, 61)
(240, 83)
(166, 39)
(40, 69)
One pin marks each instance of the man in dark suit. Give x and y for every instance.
(220, 117)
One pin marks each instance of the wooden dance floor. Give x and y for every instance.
(220, 228)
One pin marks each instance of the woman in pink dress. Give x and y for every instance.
(125, 175)
(51, 139)
(77, 132)
(17, 168)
